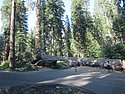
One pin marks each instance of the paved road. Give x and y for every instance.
(96, 80)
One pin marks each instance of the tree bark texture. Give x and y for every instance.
(38, 25)
(12, 36)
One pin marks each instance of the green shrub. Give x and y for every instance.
(62, 64)
(5, 65)
(25, 67)
(116, 51)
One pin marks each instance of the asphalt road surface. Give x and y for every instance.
(93, 79)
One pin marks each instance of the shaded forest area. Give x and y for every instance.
(100, 34)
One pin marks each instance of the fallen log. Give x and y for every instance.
(42, 59)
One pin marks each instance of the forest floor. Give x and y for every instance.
(93, 79)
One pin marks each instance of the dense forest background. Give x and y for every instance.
(100, 34)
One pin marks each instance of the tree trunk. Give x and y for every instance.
(12, 36)
(7, 39)
(69, 48)
(43, 25)
(6, 50)
(60, 47)
(38, 25)
(123, 37)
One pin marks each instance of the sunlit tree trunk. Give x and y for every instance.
(12, 36)
(38, 25)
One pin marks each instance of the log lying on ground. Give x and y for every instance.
(42, 59)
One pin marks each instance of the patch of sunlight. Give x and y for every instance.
(82, 83)
(50, 81)
(103, 75)
(72, 76)
(76, 83)
(80, 75)
(77, 80)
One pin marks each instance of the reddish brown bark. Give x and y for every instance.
(12, 36)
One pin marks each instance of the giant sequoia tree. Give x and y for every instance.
(12, 36)
(20, 29)
(6, 16)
